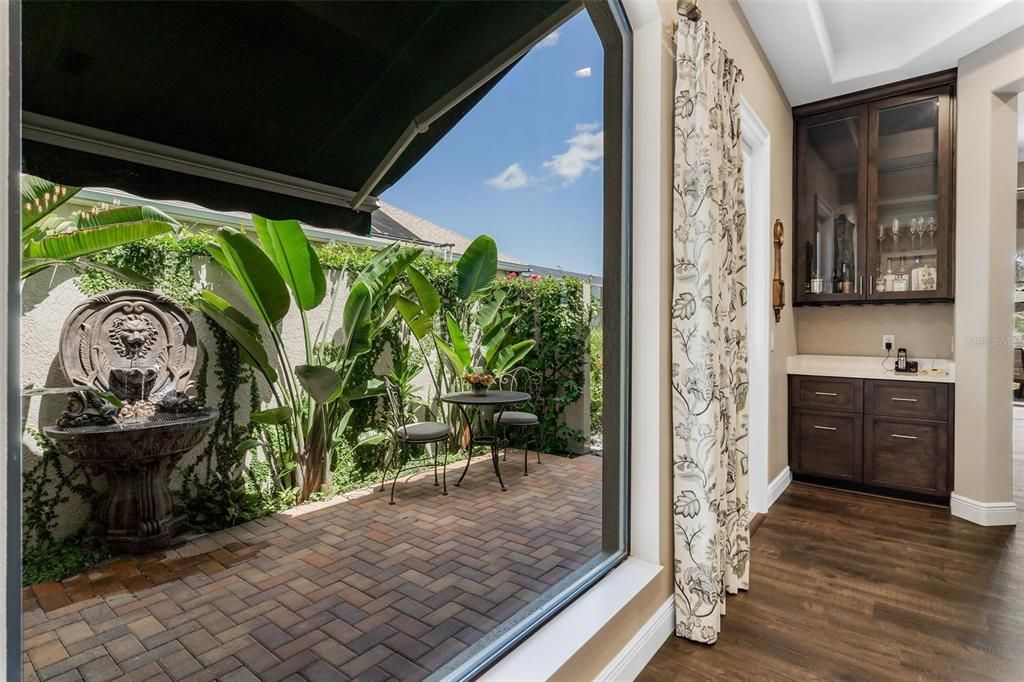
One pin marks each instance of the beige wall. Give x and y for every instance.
(925, 330)
(651, 522)
(987, 84)
(762, 91)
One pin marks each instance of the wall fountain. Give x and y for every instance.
(139, 350)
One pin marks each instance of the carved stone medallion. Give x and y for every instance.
(135, 344)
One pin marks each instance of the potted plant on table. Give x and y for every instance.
(479, 380)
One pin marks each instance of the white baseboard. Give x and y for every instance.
(630, 662)
(779, 485)
(983, 513)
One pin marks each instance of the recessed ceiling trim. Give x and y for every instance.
(61, 133)
(826, 48)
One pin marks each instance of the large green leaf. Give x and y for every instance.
(241, 329)
(123, 215)
(493, 344)
(459, 344)
(457, 364)
(288, 248)
(254, 272)
(100, 231)
(388, 264)
(488, 311)
(323, 384)
(355, 320)
(40, 197)
(419, 323)
(272, 416)
(510, 356)
(477, 267)
(428, 297)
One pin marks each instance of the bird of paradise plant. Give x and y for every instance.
(314, 398)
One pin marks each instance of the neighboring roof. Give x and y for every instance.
(289, 109)
(391, 221)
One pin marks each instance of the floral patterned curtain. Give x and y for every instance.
(709, 336)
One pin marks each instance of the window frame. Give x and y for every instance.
(614, 30)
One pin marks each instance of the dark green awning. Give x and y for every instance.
(315, 100)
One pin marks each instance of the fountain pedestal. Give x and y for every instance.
(138, 513)
(141, 348)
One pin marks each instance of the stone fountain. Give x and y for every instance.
(141, 348)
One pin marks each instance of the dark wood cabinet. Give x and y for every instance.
(891, 437)
(874, 195)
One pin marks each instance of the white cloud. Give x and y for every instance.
(512, 177)
(550, 40)
(586, 149)
(583, 73)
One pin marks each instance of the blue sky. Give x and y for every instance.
(525, 164)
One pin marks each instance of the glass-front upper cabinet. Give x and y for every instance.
(874, 195)
(910, 210)
(831, 206)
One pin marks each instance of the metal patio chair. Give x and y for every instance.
(415, 433)
(519, 379)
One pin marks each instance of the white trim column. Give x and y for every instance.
(757, 182)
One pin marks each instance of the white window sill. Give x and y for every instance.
(545, 652)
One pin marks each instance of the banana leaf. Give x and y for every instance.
(272, 416)
(40, 197)
(253, 271)
(288, 248)
(99, 232)
(476, 268)
(416, 318)
(240, 328)
(355, 320)
(510, 356)
(459, 343)
(427, 295)
(323, 384)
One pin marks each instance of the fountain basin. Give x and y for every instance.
(138, 514)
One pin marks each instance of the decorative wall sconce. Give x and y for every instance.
(778, 286)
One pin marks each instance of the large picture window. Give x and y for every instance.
(388, 438)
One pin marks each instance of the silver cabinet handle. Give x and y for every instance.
(824, 428)
(904, 400)
(871, 284)
(860, 284)
(905, 437)
(825, 393)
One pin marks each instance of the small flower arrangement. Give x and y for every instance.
(479, 380)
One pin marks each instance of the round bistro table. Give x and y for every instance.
(499, 400)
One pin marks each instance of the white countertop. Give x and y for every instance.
(858, 367)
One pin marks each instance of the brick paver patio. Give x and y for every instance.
(350, 588)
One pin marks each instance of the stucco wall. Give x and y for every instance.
(47, 300)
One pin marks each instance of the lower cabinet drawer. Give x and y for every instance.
(827, 444)
(906, 454)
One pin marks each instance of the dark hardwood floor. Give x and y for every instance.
(847, 586)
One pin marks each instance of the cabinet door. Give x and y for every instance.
(831, 200)
(906, 454)
(910, 206)
(827, 444)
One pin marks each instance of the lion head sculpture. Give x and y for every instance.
(132, 336)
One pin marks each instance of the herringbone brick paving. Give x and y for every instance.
(344, 589)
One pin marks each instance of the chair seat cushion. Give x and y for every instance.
(423, 432)
(513, 418)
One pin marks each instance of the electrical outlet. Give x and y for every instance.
(888, 342)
